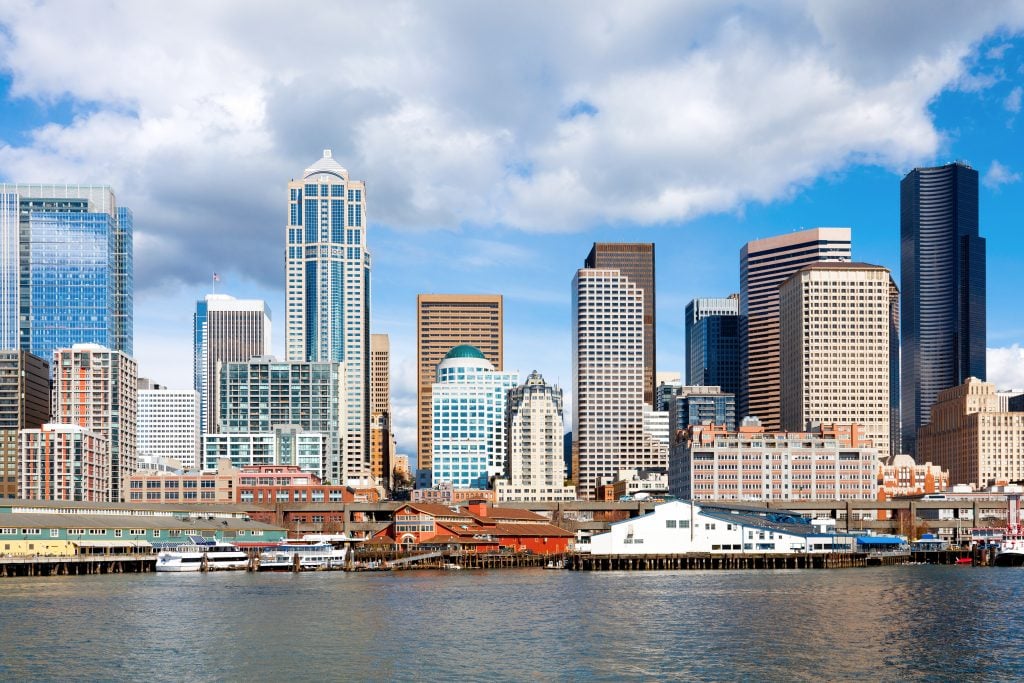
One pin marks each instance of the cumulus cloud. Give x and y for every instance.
(463, 115)
(998, 175)
(1012, 101)
(1005, 367)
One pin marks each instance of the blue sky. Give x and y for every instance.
(497, 147)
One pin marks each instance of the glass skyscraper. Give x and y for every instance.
(328, 296)
(713, 343)
(66, 268)
(942, 259)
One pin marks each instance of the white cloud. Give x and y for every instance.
(1005, 367)
(998, 175)
(1012, 101)
(456, 115)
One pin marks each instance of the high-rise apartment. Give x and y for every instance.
(942, 260)
(262, 394)
(468, 419)
(444, 321)
(169, 426)
(97, 388)
(24, 404)
(533, 421)
(225, 330)
(835, 365)
(634, 260)
(382, 440)
(764, 265)
(65, 462)
(328, 295)
(608, 380)
(713, 343)
(66, 268)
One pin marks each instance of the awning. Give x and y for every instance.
(113, 544)
(879, 540)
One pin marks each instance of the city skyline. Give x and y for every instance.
(503, 199)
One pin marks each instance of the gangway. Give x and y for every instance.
(417, 558)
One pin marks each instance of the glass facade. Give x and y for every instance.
(943, 299)
(713, 343)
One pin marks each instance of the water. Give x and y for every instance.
(894, 623)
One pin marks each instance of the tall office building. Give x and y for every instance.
(713, 343)
(66, 268)
(834, 325)
(535, 469)
(468, 419)
(24, 404)
(942, 260)
(97, 388)
(634, 260)
(328, 295)
(382, 439)
(608, 380)
(263, 394)
(764, 265)
(169, 426)
(444, 321)
(225, 329)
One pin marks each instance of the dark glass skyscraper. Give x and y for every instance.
(713, 343)
(943, 275)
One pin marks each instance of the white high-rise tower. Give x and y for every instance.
(328, 301)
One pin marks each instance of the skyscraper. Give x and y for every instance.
(328, 294)
(713, 343)
(608, 380)
(835, 366)
(942, 260)
(634, 260)
(97, 388)
(444, 321)
(382, 440)
(225, 330)
(535, 469)
(169, 426)
(24, 404)
(468, 419)
(66, 268)
(764, 265)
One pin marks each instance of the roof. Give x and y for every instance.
(128, 508)
(464, 351)
(494, 514)
(69, 521)
(326, 164)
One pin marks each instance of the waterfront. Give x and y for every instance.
(913, 622)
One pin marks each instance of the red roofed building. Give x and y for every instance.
(477, 527)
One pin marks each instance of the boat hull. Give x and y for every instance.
(1013, 558)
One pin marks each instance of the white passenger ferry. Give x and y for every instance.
(312, 555)
(190, 557)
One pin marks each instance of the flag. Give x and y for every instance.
(216, 278)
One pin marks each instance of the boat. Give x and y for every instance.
(451, 565)
(555, 564)
(311, 556)
(201, 554)
(1011, 548)
(964, 560)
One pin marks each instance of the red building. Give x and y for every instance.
(476, 527)
(269, 484)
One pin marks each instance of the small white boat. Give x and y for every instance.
(201, 554)
(311, 556)
(1011, 551)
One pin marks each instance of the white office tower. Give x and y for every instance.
(608, 380)
(328, 295)
(169, 426)
(536, 466)
(468, 418)
(226, 330)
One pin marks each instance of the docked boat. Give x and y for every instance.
(1011, 552)
(310, 556)
(201, 554)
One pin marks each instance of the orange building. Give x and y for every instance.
(901, 476)
(476, 527)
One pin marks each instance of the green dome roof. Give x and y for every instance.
(464, 351)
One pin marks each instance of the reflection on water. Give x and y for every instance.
(906, 623)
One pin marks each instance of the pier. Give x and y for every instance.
(77, 565)
(708, 561)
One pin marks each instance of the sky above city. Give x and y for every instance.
(499, 141)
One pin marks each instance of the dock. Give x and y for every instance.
(710, 561)
(77, 565)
